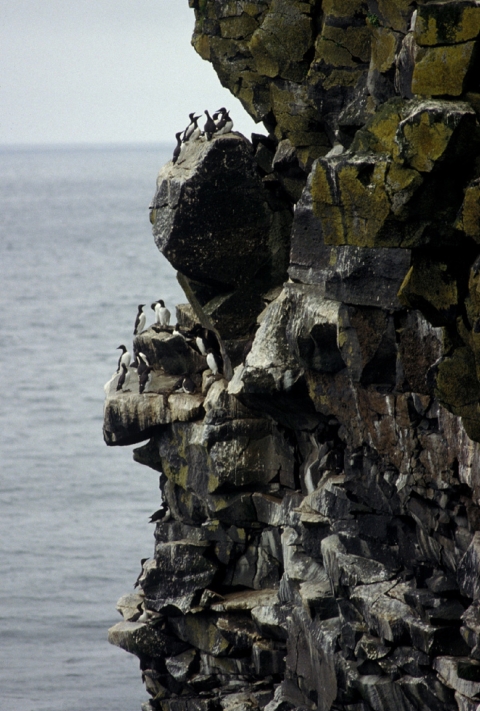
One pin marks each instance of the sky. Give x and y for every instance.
(103, 71)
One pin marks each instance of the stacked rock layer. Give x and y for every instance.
(323, 548)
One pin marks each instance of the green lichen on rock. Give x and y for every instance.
(442, 70)
(431, 287)
(444, 23)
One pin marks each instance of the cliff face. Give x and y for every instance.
(324, 544)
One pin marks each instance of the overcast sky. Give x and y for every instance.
(103, 71)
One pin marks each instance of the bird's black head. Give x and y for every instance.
(161, 302)
(223, 110)
(140, 306)
(122, 347)
(152, 306)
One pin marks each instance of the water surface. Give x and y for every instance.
(76, 257)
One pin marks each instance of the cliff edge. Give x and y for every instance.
(322, 544)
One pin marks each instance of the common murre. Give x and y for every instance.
(140, 320)
(209, 128)
(162, 314)
(125, 358)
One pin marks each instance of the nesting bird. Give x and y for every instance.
(140, 320)
(162, 314)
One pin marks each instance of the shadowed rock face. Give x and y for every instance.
(213, 220)
(323, 548)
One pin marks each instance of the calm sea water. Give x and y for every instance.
(76, 257)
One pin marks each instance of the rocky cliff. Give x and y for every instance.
(323, 548)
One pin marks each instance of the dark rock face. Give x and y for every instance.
(323, 549)
(213, 220)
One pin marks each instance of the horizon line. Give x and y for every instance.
(84, 145)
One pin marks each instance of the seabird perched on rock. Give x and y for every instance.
(178, 147)
(163, 514)
(192, 131)
(124, 378)
(225, 123)
(212, 362)
(140, 320)
(145, 379)
(204, 339)
(209, 128)
(142, 363)
(125, 358)
(201, 345)
(162, 314)
(142, 563)
(188, 385)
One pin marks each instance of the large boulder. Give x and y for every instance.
(212, 217)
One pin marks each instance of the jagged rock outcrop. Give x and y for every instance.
(323, 548)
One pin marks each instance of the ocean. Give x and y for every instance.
(76, 257)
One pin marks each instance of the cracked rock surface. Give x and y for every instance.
(323, 547)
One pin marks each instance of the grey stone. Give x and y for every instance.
(130, 606)
(353, 275)
(180, 665)
(142, 639)
(468, 569)
(460, 673)
(171, 353)
(211, 204)
(179, 570)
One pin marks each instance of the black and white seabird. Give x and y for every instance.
(125, 358)
(188, 385)
(192, 132)
(162, 314)
(142, 563)
(140, 320)
(178, 147)
(124, 378)
(225, 124)
(163, 514)
(201, 345)
(142, 363)
(145, 379)
(212, 362)
(209, 128)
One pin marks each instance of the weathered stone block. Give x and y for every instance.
(442, 70)
(142, 639)
(212, 204)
